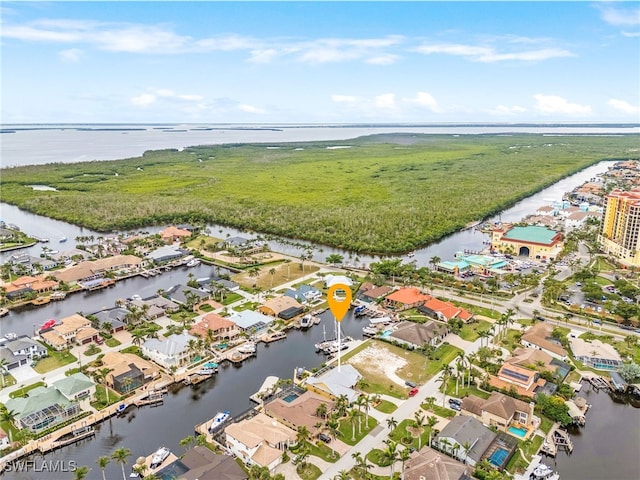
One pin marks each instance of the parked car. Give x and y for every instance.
(455, 406)
(324, 437)
(410, 384)
(455, 401)
(413, 392)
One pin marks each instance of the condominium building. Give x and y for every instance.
(620, 227)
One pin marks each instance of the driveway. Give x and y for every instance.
(23, 374)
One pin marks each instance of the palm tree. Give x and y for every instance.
(444, 378)
(102, 462)
(303, 435)
(366, 403)
(272, 273)
(3, 369)
(9, 416)
(353, 415)
(321, 411)
(341, 405)
(391, 454)
(361, 463)
(434, 261)
(80, 472)
(466, 447)
(392, 423)
(333, 427)
(419, 421)
(187, 441)
(342, 475)
(100, 376)
(120, 456)
(431, 422)
(405, 454)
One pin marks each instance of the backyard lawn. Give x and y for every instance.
(54, 360)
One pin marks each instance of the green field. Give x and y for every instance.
(385, 194)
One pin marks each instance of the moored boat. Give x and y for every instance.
(193, 263)
(247, 347)
(41, 301)
(63, 239)
(544, 472)
(306, 321)
(159, 456)
(58, 296)
(4, 311)
(219, 420)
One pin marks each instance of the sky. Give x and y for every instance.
(319, 62)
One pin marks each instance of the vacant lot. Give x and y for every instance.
(382, 195)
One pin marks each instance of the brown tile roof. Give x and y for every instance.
(173, 231)
(119, 363)
(418, 333)
(538, 335)
(428, 464)
(301, 411)
(504, 406)
(473, 405)
(53, 338)
(84, 333)
(407, 296)
(72, 324)
(211, 321)
(255, 430)
(378, 292)
(278, 305)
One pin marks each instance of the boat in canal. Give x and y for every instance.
(219, 420)
(193, 263)
(63, 239)
(306, 321)
(544, 472)
(159, 456)
(248, 347)
(4, 312)
(208, 368)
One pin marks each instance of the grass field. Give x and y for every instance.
(385, 194)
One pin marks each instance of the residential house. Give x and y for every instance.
(464, 432)
(88, 271)
(200, 463)
(71, 330)
(46, 407)
(282, 307)
(370, 293)
(172, 234)
(26, 285)
(405, 298)
(166, 254)
(304, 294)
(259, 440)
(301, 411)
(183, 294)
(250, 321)
(444, 311)
(11, 360)
(596, 354)
(172, 352)
(330, 280)
(429, 464)
(539, 360)
(25, 346)
(523, 381)
(539, 336)
(499, 410)
(115, 318)
(333, 382)
(220, 327)
(123, 366)
(416, 335)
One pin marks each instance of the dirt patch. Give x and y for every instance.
(379, 360)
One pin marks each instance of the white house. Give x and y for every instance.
(174, 351)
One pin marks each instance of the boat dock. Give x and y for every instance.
(76, 436)
(272, 337)
(154, 398)
(556, 439)
(598, 383)
(267, 388)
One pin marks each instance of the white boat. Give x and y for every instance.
(208, 368)
(219, 419)
(193, 263)
(544, 472)
(159, 457)
(306, 321)
(248, 347)
(4, 311)
(369, 331)
(63, 239)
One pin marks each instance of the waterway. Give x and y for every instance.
(612, 427)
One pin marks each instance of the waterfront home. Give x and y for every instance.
(259, 440)
(200, 463)
(183, 294)
(20, 351)
(71, 330)
(123, 366)
(26, 285)
(221, 328)
(417, 335)
(250, 321)
(539, 336)
(173, 351)
(172, 234)
(150, 310)
(237, 242)
(532, 241)
(535, 359)
(70, 255)
(330, 280)
(429, 464)
(114, 318)
(332, 382)
(166, 254)
(46, 407)
(499, 410)
(24, 263)
(444, 311)
(371, 293)
(87, 271)
(304, 294)
(596, 354)
(463, 433)
(301, 411)
(405, 298)
(523, 381)
(281, 307)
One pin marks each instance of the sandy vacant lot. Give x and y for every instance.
(378, 360)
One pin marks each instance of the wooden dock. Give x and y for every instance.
(76, 436)
(272, 337)
(599, 383)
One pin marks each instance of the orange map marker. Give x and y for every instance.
(339, 299)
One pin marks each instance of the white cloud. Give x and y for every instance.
(425, 100)
(630, 34)
(71, 55)
(343, 98)
(619, 17)
(489, 54)
(505, 110)
(250, 109)
(558, 105)
(144, 100)
(386, 59)
(386, 100)
(623, 106)
(265, 55)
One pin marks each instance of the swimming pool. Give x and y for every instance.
(386, 333)
(498, 457)
(518, 432)
(290, 398)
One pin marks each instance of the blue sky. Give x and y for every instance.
(315, 62)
